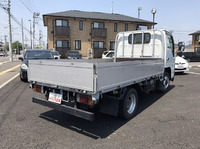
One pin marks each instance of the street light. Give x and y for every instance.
(30, 33)
(139, 8)
(153, 11)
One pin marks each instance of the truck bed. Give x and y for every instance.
(94, 75)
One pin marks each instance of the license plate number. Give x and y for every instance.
(180, 67)
(56, 98)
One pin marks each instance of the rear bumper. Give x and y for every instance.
(66, 109)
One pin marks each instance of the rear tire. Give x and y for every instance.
(128, 106)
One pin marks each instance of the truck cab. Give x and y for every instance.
(147, 44)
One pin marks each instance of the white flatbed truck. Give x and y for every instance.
(143, 61)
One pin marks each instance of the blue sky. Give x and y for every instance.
(177, 15)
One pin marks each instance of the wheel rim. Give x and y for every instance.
(166, 82)
(131, 104)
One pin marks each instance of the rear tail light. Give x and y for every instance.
(37, 88)
(84, 99)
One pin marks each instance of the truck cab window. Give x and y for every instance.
(170, 43)
(138, 38)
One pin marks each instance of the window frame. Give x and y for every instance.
(62, 24)
(112, 42)
(79, 45)
(126, 26)
(62, 43)
(98, 23)
(197, 37)
(80, 25)
(115, 27)
(98, 44)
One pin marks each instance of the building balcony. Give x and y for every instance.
(62, 31)
(62, 51)
(99, 32)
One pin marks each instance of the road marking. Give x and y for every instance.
(4, 62)
(194, 73)
(9, 81)
(3, 72)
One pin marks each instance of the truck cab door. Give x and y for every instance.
(170, 59)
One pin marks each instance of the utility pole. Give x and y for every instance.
(5, 42)
(35, 16)
(40, 38)
(112, 8)
(22, 36)
(30, 33)
(10, 32)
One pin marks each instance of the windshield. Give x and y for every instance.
(55, 53)
(73, 53)
(38, 55)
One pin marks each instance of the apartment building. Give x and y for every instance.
(80, 30)
(196, 41)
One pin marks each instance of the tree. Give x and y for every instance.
(17, 45)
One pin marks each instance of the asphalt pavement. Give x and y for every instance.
(170, 120)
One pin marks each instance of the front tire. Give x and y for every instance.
(165, 83)
(128, 106)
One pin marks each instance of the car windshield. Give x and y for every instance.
(38, 55)
(55, 53)
(73, 53)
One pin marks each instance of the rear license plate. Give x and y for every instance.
(56, 98)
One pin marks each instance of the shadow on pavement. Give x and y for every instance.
(181, 73)
(104, 125)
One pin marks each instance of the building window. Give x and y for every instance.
(126, 27)
(61, 23)
(112, 45)
(78, 45)
(62, 43)
(98, 44)
(141, 27)
(138, 38)
(81, 25)
(197, 49)
(197, 37)
(99, 25)
(115, 27)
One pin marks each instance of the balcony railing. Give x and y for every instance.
(62, 31)
(99, 32)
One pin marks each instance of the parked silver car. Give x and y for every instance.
(3, 53)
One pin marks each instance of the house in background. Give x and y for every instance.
(81, 30)
(196, 41)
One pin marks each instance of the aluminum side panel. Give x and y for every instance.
(121, 73)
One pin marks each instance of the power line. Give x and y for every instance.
(14, 18)
(27, 7)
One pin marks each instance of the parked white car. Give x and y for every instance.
(108, 54)
(181, 65)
